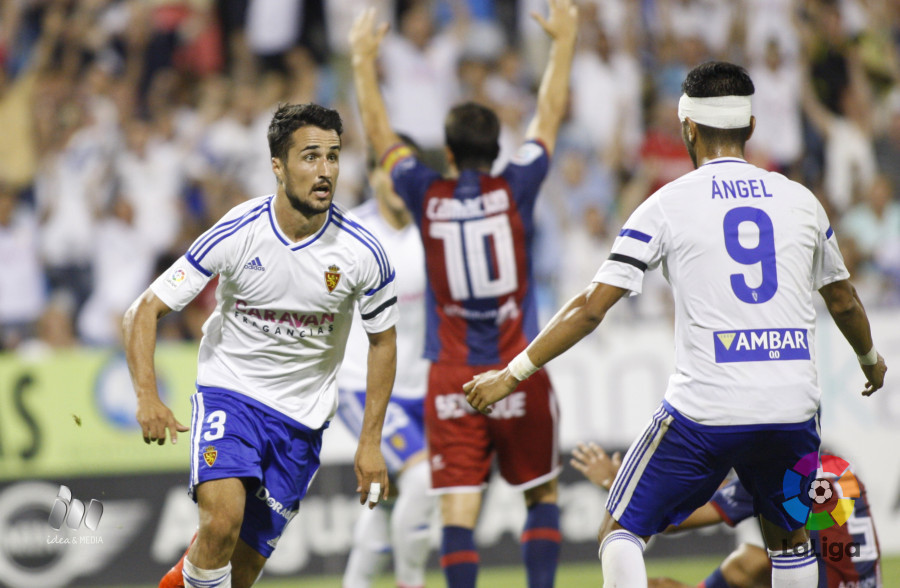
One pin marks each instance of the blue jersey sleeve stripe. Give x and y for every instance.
(635, 235)
(390, 279)
(221, 228)
(382, 256)
(199, 267)
(245, 221)
(383, 272)
(829, 232)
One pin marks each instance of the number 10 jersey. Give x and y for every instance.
(743, 250)
(477, 231)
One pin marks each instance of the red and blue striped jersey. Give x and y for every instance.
(477, 232)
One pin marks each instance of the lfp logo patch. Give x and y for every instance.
(761, 345)
(820, 491)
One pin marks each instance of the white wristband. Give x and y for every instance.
(521, 366)
(870, 358)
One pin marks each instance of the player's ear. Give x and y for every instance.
(278, 170)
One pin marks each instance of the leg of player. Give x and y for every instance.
(246, 565)
(621, 554)
(793, 559)
(371, 549)
(459, 559)
(221, 505)
(541, 536)
(411, 522)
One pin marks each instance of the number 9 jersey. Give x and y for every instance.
(743, 250)
(477, 232)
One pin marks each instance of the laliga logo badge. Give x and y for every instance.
(332, 277)
(820, 491)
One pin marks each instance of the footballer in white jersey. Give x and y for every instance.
(293, 268)
(283, 309)
(743, 250)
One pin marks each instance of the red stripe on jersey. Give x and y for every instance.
(459, 557)
(542, 534)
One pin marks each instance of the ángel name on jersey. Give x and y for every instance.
(761, 345)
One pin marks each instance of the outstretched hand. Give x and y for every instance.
(562, 20)
(487, 388)
(592, 461)
(874, 376)
(366, 36)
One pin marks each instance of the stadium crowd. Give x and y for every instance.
(128, 126)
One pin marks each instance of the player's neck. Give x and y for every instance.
(295, 224)
(706, 154)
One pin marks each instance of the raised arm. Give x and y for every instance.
(553, 94)
(574, 321)
(848, 313)
(369, 462)
(365, 38)
(139, 338)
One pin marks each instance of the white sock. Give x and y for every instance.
(795, 568)
(194, 577)
(371, 548)
(622, 560)
(411, 525)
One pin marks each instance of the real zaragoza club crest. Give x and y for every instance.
(209, 455)
(332, 277)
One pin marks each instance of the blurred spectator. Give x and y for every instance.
(418, 66)
(151, 175)
(606, 94)
(779, 129)
(21, 281)
(123, 259)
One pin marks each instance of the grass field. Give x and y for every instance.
(690, 571)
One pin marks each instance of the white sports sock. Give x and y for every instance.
(411, 525)
(622, 560)
(795, 568)
(194, 577)
(371, 548)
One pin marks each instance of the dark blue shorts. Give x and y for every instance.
(403, 434)
(676, 465)
(233, 436)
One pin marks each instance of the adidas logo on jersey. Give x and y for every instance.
(255, 264)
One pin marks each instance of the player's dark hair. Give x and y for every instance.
(472, 132)
(290, 117)
(719, 78)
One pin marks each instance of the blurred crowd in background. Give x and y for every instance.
(127, 127)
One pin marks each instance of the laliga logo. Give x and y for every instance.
(820, 491)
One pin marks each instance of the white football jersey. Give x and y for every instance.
(405, 249)
(743, 250)
(283, 309)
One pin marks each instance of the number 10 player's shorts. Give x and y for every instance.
(521, 431)
(233, 436)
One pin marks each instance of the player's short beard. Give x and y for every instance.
(302, 207)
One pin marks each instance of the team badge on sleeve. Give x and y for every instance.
(176, 278)
(209, 455)
(332, 277)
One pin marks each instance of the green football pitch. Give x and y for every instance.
(689, 571)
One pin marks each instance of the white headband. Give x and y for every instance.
(721, 112)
